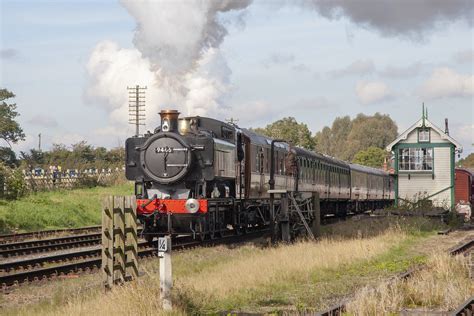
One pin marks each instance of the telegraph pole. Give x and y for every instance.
(39, 142)
(232, 121)
(136, 107)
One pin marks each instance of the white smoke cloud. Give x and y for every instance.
(174, 34)
(176, 56)
(445, 82)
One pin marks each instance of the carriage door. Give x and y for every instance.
(248, 166)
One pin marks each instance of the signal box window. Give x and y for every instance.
(416, 159)
(424, 135)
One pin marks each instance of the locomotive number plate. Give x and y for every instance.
(164, 150)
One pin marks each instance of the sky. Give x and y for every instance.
(69, 63)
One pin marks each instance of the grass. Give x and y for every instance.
(304, 276)
(56, 209)
(442, 285)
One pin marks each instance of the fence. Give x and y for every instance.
(53, 180)
(119, 240)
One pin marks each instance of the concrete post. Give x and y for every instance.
(166, 277)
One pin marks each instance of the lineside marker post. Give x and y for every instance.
(119, 240)
(166, 276)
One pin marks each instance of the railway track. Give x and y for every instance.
(45, 268)
(22, 248)
(6, 238)
(466, 309)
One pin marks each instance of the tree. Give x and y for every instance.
(8, 157)
(371, 157)
(377, 130)
(10, 130)
(289, 129)
(347, 137)
(329, 140)
(467, 162)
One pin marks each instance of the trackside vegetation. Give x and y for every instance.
(300, 277)
(57, 209)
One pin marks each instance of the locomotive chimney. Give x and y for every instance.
(169, 120)
(446, 127)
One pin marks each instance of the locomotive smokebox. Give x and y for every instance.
(169, 120)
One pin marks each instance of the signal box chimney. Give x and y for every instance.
(446, 126)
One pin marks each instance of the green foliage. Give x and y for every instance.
(8, 156)
(372, 157)
(347, 137)
(467, 162)
(14, 182)
(10, 130)
(289, 129)
(57, 209)
(78, 156)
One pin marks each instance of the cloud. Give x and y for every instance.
(357, 68)
(464, 57)
(250, 112)
(278, 59)
(301, 68)
(43, 121)
(445, 83)
(318, 102)
(394, 18)
(465, 135)
(68, 138)
(373, 92)
(402, 72)
(9, 53)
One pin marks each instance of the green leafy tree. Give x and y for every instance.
(347, 137)
(10, 130)
(371, 157)
(289, 129)
(467, 162)
(329, 140)
(34, 158)
(8, 157)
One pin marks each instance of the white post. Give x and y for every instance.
(166, 278)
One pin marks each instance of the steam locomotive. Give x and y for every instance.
(203, 177)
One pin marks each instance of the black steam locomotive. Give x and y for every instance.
(203, 177)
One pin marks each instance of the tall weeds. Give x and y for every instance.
(442, 285)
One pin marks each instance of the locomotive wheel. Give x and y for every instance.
(149, 239)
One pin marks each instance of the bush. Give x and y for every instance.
(12, 183)
(88, 181)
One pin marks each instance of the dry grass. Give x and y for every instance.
(304, 276)
(216, 279)
(442, 285)
(263, 270)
